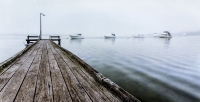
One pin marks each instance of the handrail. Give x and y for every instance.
(56, 38)
(29, 40)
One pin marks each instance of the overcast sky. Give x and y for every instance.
(99, 17)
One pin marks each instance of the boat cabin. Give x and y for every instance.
(167, 33)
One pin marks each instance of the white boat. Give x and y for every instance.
(110, 36)
(76, 36)
(139, 36)
(165, 34)
(155, 35)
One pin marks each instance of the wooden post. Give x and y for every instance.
(58, 41)
(28, 39)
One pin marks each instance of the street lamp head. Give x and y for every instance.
(42, 14)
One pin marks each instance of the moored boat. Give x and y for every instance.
(165, 34)
(76, 36)
(110, 36)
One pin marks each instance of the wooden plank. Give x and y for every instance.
(44, 86)
(27, 90)
(113, 88)
(5, 77)
(7, 67)
(98, 85)
(10, 90)
(60, 91)
(41, 48)
(75, 88)
(94, 93)
(105, 91)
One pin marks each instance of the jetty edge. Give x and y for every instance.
(9, 61)
(114, 88)
(103, 83)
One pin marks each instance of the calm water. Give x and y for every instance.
(151, 69)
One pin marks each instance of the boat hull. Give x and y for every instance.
(77, 37)
(165, 36)
(138, 37)
(109, 36)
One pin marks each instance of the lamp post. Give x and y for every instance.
(41, 25)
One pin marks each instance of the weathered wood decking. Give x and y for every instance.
(46, 72)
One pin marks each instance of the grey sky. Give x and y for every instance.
(99, 17)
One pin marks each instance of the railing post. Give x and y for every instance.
(27, 39)
(55, 38)
(59, 43)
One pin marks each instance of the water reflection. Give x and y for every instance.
(76, 41)
(138, 39)
(166, 41)
(112, 40)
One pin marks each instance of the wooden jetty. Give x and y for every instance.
(46, 72)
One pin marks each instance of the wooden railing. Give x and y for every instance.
(55, 38)
(30, 39)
